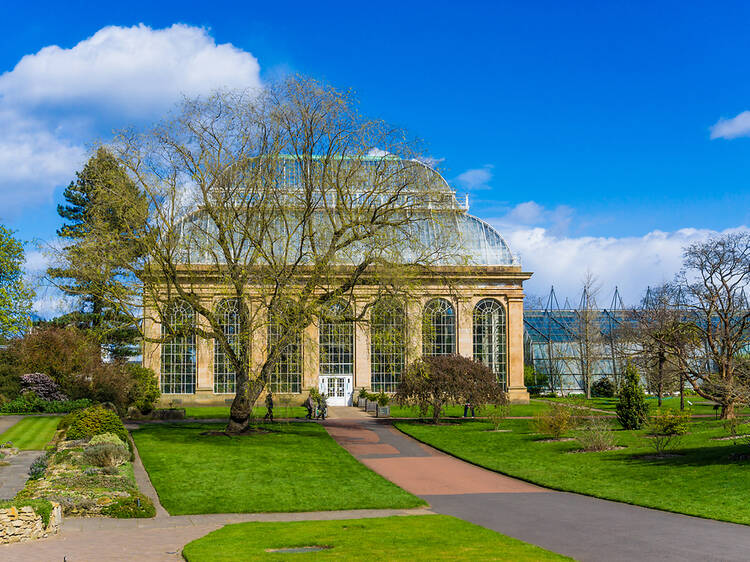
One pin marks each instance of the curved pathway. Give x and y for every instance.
(583, 527)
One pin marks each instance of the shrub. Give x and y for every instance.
(383, 399)
(363, 392)
(667, 428)
(106, 454)
(555, 421)
(145, 390)
(39, 466)
(632, 410)
(107, 438)
(135, 506)
(43, 386)
(596, 435)
(436, 381)
(497, 414)
(603, 388)
(536, 383)
(84, 424)
(29, 403)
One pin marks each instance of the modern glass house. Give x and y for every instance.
(476, 311)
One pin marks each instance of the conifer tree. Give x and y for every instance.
(632, 410)
(82, 210)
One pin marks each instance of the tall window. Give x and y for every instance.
(336, 341)
(489, 337)
(438, 328)
(228, 315)
(387, 345)
(286, 377)
(178, 351)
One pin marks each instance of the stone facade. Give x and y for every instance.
(24, 524)
(465, 288)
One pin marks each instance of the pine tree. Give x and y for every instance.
(632, 410)
(108, 326)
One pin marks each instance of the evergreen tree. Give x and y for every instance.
(15, 296)
(632, 410)
(83, 213)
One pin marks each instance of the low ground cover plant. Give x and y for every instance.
(29, 403)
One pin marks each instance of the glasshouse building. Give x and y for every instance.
(474, 307)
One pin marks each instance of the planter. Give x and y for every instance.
(372, 406)
(362, 402)
(383, 412)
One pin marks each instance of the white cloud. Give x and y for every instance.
(737, 126)
(475, 178)
(57, 101)
(631, 263)
(134, 71)
(530, 213)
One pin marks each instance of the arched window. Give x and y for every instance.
(438, 328)
(286, 377)
(489, 337)
(228, 316)
(387, 344)
(336, 341)
(178, 351)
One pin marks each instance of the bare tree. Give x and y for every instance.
(587, 331)
(710, 292)
(283, 201)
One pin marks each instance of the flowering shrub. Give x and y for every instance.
(43, 386)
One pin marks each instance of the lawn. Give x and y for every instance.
(457, 411)
(417, 537)
(217, 412)
(288, 467)
(31, 433)
(695, 404)
(702, 479)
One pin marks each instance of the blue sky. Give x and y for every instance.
(582, 131)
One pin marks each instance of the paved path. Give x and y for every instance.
(160, 538)
(579, 526)
(13, 477)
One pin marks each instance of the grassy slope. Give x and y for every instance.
(295, 467)
(31, 433)
(425, 537)
(702, 481)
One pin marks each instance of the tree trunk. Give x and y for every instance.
(727, 411)
(660, 386)
(682, 391)
(247, 392)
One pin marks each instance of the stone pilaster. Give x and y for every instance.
(310, 355)
(362, 365)
(413, 312)
(516, 388)
(464, 327)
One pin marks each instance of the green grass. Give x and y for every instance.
(216, 412)
(31, 433)
(293, 467)
(695, 404)
(418, 537)
(457, 411)
(703, 480)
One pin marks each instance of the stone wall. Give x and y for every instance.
(19, 524)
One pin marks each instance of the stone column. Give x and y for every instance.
(516, 388)
(151, 350)
(205, 360)
(464, 328)
(413, 321)
(310, 355)
(362, 365)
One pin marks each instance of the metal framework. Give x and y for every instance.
(490, 339)
(336, 341)
(553, 346)
(178, 363)
(228, 314)
(387, 351)
(438, 328)
(286, 376)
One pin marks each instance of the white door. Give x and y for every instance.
(338, 389)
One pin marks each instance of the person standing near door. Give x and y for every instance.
(269, 407)
(309, 405)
